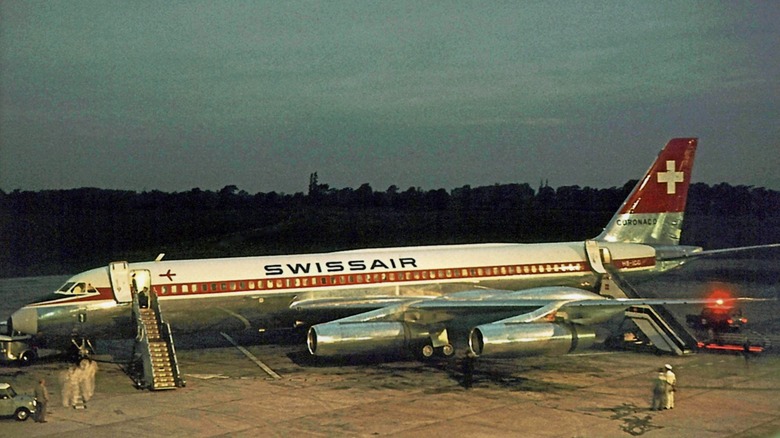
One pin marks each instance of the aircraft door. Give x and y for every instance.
(594, 256)
(120, 281)
(606, 256)
(140, 280)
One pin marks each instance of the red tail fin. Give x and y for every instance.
(653, 212)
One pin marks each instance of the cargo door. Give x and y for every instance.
(120, 281)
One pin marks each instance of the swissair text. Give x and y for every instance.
(340, 266)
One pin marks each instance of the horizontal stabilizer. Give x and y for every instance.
(693, 255)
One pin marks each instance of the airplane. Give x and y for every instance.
(496, 299)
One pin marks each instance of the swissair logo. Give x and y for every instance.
(168, 274)
(671, 177)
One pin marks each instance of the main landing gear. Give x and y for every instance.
(427, 351)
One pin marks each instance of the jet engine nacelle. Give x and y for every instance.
(340, 339)
(529, 339)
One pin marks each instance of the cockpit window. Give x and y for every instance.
(73, 288)
(66, 287)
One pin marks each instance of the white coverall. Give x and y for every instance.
(671, 382)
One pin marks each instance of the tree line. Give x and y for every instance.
(66, 231)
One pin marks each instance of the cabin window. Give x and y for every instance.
(251, 285)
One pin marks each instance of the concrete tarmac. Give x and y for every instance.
(605, 394)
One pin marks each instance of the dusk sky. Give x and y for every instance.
(173, 95)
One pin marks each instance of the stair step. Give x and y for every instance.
(158, 355)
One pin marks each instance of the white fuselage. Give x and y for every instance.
(256, 292)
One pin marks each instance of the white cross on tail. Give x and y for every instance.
(670, 177)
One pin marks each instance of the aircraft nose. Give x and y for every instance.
(25, 320)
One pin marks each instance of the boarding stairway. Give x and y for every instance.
(659, 326)
(155, 346)
(656, 322)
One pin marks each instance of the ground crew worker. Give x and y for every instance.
(659, 390)
(70, 386)
(42, 395)
(671, 386)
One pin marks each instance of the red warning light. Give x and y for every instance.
(724, 298)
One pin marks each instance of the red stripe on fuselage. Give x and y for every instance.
(646, 262)
(104, 294)
(249, 285)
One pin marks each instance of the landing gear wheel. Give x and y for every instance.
(26, 358)
(427, 351)
(447, 350)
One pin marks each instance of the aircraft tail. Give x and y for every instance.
(653, 212)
